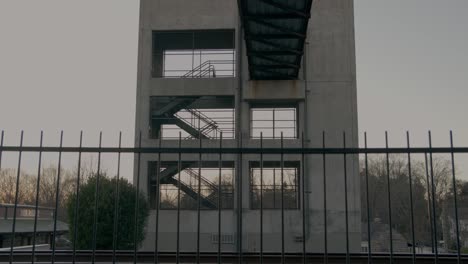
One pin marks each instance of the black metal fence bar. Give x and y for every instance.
(158, 172)
(77, 202)
(239, 204)
(199, 198)
(219, 198)
(455, 200)
(96, 199)
(429, 199)
(303, 203)
(116, 203)
(57, 201)
(389, 197)
(410, 181)
(436, 244)
(13, 229)
(282, 201)
(325, 205)
(137, 196)
(369, 239)
(261, 199)
(36, 212)
(345, 172)
(1, 147)
(179, 165)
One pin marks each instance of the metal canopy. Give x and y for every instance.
(275, 32)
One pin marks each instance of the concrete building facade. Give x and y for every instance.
(195, 81)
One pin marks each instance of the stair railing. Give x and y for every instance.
(204, 124)
(194, 174)
(206, 69)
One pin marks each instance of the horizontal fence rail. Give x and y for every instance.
(189, 257)
(246, 150)
(261, 201)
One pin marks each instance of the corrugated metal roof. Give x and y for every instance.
(275, 32)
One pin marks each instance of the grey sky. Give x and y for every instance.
(71, 65)
(412, 61)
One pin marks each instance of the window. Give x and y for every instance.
(269, 190)
(198, 63)
(190, 175)
(274, 122)
(192, 117)
(209, 123)
(194, 54)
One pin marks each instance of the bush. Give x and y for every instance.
(105, 218)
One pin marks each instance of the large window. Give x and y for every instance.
(273, 183)
(206, 117)
(194, 54)
(209, 177)
(198, 63)
(272, 122)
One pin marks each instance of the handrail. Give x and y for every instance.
(203, 117)
(189, 73)
(209, 124)
(185, 185)
(215, 190)
(206, 68)
(194, 174)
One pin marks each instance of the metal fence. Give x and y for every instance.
(389, 172)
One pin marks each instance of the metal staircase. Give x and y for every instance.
(167, 177)
(197, 125)
(165, 114)
(205, 184)
(206, 127)
(192, 193)
(192, 121)
(175, 106)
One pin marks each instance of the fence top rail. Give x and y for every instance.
(227, 150)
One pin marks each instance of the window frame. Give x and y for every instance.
(268, 165)
(191, 40)
(274, 108)
(226, 166)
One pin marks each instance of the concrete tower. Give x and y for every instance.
(245, 69)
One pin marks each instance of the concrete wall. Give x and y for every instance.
(326, 93)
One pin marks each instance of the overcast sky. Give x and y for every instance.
(71, 65)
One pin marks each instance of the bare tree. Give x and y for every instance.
(398, 172)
